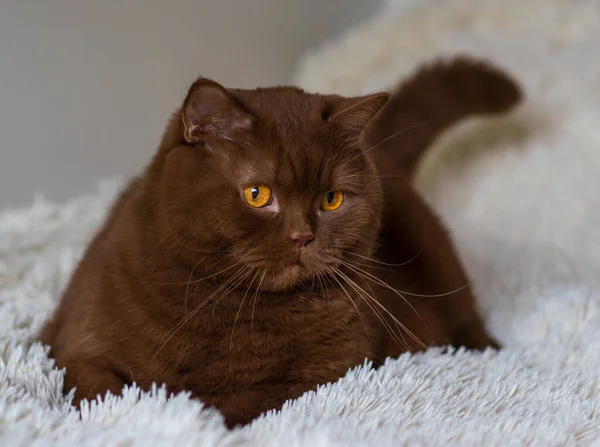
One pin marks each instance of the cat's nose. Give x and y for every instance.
(302, 238)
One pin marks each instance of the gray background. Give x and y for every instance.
(87, 86)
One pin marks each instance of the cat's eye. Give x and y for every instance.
(258, 196)
(332, 200)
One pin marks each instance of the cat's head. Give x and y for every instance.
(269, 185)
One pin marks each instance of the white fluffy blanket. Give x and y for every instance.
(522, 197)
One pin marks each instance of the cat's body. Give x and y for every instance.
(248, 306)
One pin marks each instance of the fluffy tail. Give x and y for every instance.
(435, 97)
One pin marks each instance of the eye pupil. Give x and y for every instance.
(257, 196)
(332, 200)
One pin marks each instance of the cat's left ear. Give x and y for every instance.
(210, 112)
(353, 114)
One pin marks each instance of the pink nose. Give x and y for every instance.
(302, 238)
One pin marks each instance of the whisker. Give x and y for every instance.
(183, 283)
(379, 176)
(237, 316)
(368, 298)
(230, 288)
(255, 299)
(353, 303)
(190, 282)
(324, 289)
(419, 295)
(198, 281)
(406, 129)
(218, 273)
(383, 269)
(376, 280)
(177, 327)
(325, 284)
(437, 295)
(187, 288)
(384, 263)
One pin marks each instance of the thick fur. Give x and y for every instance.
(187, 285)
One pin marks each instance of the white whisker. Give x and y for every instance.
(237, 316)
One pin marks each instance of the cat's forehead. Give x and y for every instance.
(289, 110)
(292, 122)
(292, 143)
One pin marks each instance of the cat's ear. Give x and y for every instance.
(210, 112)
(356, 112)
(351, 115)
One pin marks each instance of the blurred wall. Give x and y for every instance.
(87, 86)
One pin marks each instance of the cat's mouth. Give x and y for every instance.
(295, 273)
(293, 277)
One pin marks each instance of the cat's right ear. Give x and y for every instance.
(209, 112)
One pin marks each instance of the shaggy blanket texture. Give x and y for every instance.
(519, 194)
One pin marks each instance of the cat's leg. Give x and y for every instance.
(49, 332)
(242, 407)
(91, 380)
(473, 335)
(429, 270)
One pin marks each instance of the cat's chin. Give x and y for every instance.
(296, 277)
(284, 279)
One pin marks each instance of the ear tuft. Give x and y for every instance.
(209, 111)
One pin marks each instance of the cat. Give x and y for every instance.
(261, 253)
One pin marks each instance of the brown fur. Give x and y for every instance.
(158, 297)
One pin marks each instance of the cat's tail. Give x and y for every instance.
(435, 97)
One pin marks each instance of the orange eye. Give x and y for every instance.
(257, 196)
(332, 200)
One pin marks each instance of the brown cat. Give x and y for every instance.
(249, 263)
